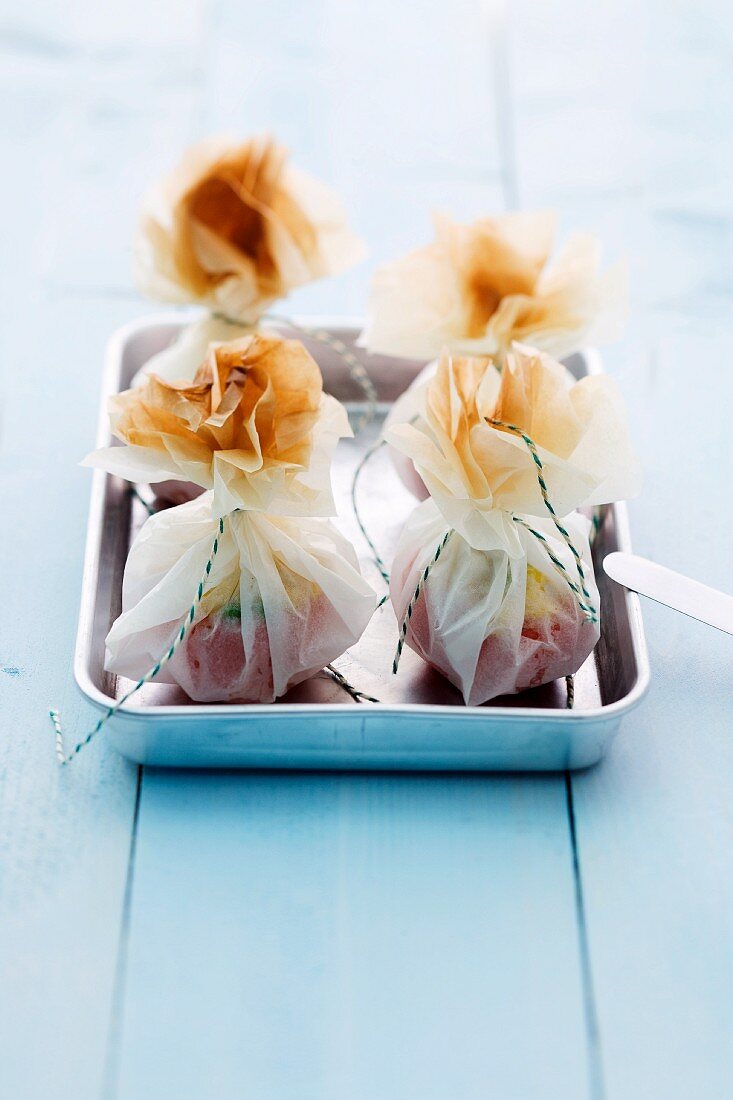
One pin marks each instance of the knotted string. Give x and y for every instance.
(66, 758)
(61, 754)
(532, 447)
(586, 607)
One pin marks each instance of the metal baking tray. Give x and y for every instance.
(421, 722)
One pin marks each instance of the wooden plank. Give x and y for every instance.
(655, 823)
(396, 112)
(126, 106)
(623, 122)
(65, 835)
(323, 936)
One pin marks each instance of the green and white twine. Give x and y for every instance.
(587, 608)
(405, 625)
(61, 754)
(376, 556)
(136, 495)
(532, 447)
(357, 370)
(65, 758)
(356, 695)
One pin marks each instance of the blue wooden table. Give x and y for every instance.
(291, 937)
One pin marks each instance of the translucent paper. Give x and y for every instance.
(511, 603)
(493, 623)
(284, 597)
(477, 288)
(479, 472)
(254, 425)
(236, 227)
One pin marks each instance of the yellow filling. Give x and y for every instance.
(539, 603)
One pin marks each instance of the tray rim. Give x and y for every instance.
(297, 711)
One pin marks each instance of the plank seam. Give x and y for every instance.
(593, 1033)
(504, 112)
(111, 1066)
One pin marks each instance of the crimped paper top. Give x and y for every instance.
(254, 425)
(479, 474)
(236, 227)
(479, 287)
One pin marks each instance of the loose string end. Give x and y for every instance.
(62, 756)
(65, 758)
(56, 723)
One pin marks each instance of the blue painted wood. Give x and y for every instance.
(331, 936)
(64, 835)
(397, 111)
(327, 936)
(632, 131)
(655, 824)
(73, 89)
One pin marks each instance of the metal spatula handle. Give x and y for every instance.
(673, 589)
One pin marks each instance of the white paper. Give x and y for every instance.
(284, 598)
(478, 473)
(477, 288)
(236, 227)
(254, 425)
(491, 622)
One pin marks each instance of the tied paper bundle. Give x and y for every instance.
(283, 598)
(478, 288)
(247, 590)
(509, 601)
(254, 425)
(235, 228)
